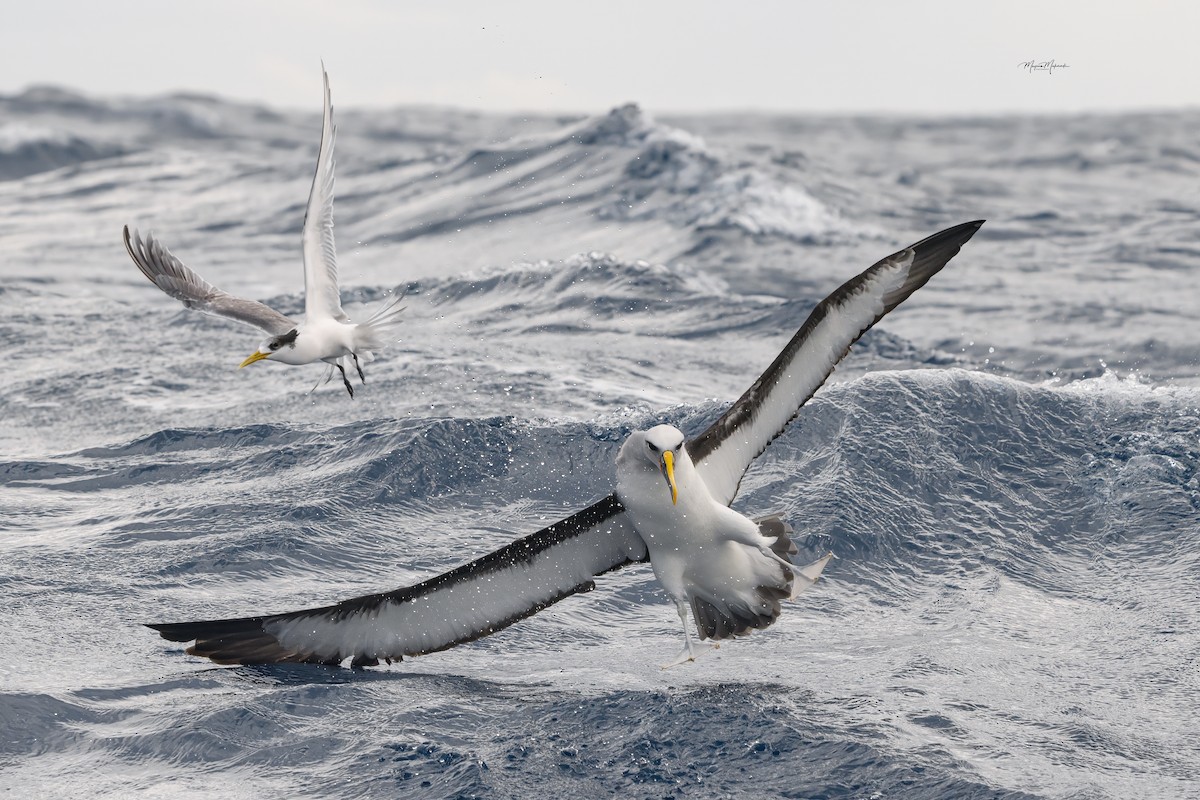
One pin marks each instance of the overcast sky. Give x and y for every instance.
(928, 56)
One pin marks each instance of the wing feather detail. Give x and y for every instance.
(726, 449)
(459, 606)
(171, 275)
(322, 298)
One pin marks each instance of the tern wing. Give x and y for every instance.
(725, 451)
(321, 296)
(171, 275)
(459, 606)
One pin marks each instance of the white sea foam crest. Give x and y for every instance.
(708, 190)
(16, 135)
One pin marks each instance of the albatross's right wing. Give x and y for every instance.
(725, 451)
(171, 275)
(459, 606)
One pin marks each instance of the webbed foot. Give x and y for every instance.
(689, 654)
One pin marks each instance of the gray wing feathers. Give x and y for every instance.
(725, 450)
(169, 274)
(321, 295)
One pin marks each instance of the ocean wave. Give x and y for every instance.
(918, 469)
(950, 472)
(675, 176)
(619, 168)
(1012, 605)
(27, 150)
(945, 495)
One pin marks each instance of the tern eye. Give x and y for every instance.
(273, 346)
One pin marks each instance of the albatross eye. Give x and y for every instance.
(653, 448)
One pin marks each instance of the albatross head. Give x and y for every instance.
(659, 450)
(271, 346)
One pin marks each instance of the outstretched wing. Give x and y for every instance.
(724, 452)
(321, 297)
(459, 606)
(171, 275)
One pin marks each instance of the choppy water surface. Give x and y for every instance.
(1008, 469)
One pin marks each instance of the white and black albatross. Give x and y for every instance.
(730, 571)
(326, 334)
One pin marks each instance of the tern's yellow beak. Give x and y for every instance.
(669, 462)
(257, 355)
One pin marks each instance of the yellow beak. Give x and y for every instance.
(669, 461)
(257, 355)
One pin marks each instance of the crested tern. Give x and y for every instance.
(326, 334)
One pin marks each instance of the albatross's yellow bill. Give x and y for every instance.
(669, 460)
(257, 355)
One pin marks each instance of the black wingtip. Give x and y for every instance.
(956, 234)
(187, 631)
(966, 230)
(172, 632)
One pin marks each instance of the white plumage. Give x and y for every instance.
(706, 555)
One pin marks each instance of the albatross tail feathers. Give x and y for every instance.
(745, 611)
(718, 619)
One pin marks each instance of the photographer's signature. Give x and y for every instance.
(1042, 66)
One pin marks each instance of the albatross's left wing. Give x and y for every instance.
(725, 451)
(459, 606)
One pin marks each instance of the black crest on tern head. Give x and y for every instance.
(288, 338)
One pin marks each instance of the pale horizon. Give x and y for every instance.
(931, 57)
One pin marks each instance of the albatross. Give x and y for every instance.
(326, 334)
(670, 507)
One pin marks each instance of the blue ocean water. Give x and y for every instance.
(1007, 468)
